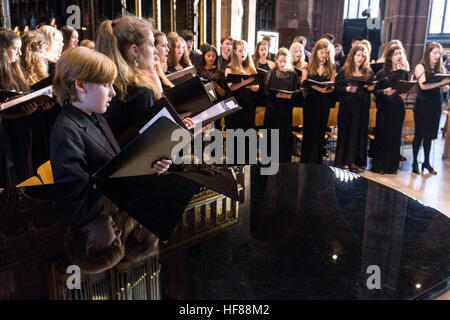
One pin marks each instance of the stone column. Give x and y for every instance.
(407, 21)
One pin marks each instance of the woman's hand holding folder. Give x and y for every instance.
(162, 166)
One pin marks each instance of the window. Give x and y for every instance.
(439, 22)
(353, 9)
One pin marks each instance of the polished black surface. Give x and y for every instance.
(311, 232)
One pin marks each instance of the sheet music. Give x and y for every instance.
(47, 91)
(162, 113)
(215, 110)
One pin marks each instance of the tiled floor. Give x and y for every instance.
(433, 190)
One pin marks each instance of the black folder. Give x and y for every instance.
(182, 79)
(19, 105)
(259, 78)
(7, 95)
(181, 76)
(42, 84)
(376, 67)
(159, 105)
(275, 91)
(322, 84)
(403, 86)
(138, 157)
(221, 109)
(189, 96)
(358, 82)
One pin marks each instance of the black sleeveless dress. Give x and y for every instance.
(389, 123)
(316, 111)
(427, 111)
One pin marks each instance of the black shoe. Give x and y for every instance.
(415, 168)
(428, 167)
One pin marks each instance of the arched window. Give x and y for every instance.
(353, 9)
(439, 18)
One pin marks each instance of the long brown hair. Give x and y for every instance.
(313, 65)
(114, 39)
(171, 60)
(247, 64)
(33, 66)
(349, 66)
(439, 67)
(11, 76)
(388, 67)
(256, 54)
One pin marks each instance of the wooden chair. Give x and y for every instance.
(45, 173)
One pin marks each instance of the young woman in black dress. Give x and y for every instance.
(427, 111)
(178, 58)
(390, 113)
(279, 104)
(260, 56)
(354, 100)
(318, 101)
(297, 52)
(208, 68)
(243, 92)
(15, 132)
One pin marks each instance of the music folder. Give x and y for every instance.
(181, 76)
(376, 67)
(189, 96)
(259, 78)
(322, 84)
(403, 86)
(20, 105)
(6, 95)
(221, 109)
(275, 91)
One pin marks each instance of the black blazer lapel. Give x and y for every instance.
(109, 135)
(91, 130)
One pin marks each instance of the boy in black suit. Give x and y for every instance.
(81, 142)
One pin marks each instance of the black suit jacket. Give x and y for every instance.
(78, 148)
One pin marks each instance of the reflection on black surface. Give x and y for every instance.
(313, 235)
(309, 232)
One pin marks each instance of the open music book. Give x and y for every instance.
(259, 78)
(323, 84)
(181, 76)
(42, 95)
(403, 86)
(222, 109)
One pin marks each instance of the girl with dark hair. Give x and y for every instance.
(260, 56)
(279, 105)
(354, 103)
(318, 101)
(390, 113)
(15, 133)
(427, 111)
(70, 37)
(208, 68)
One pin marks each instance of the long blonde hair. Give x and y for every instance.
(49, 35)
(284, 52)
(329, 67)
(247, 64)
(33, 66)
(114, 39)
(301, 62)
